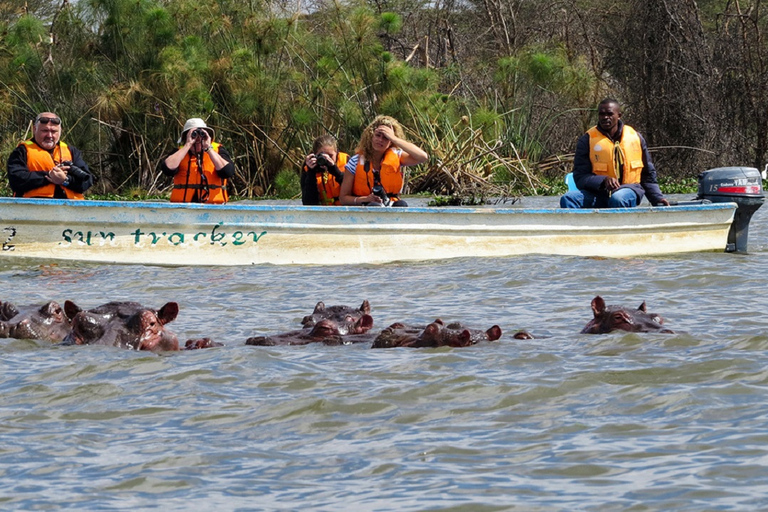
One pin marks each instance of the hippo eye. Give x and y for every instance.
(620, 318)
(657, 319)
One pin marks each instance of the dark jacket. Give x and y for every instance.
(309, 193)
(586, 180)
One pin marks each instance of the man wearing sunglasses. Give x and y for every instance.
(46, 167)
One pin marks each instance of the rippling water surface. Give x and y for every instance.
(564, 422)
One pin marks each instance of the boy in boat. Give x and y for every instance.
(200, 168)
(612, 167)
(43, 166)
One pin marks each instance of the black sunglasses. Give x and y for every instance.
(46, 120)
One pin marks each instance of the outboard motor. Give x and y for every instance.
(740, 185)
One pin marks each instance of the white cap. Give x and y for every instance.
(195, 122)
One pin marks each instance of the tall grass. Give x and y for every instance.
(125, 74)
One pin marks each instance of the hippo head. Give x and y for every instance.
(337, 313)
(200, 343)
(126, 325)
(612, 318)
(456, 335)
(149, 325)
(47, 322)
(397, 335)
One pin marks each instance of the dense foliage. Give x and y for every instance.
(496, 91)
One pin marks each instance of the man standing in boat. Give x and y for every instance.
(43, 166)
(200, 168)
(612, 167)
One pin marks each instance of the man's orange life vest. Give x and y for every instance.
(191, 185)
(607, 156)
(389, 174)
(39, 159)
(328, 188)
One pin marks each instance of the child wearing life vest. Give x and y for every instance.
(321, 175)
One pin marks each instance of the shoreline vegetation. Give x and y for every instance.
(496, 92)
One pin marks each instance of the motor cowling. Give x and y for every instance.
(740, 185)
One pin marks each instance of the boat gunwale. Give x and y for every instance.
(365, 210)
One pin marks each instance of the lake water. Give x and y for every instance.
(620, 422)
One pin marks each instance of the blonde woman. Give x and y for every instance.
(374, 175)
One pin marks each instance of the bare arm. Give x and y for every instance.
(411, 155)
(345, 194)
(174, 160)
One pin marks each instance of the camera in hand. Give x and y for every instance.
(379, 191)
(198, 134)
(323, 162)
(75, 171)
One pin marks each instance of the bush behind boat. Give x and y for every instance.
(498, 115)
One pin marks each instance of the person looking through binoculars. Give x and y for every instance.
(43, 166)
(321, 175)
(374, 175)
(200, 168)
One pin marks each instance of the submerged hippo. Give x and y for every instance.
(198, 343)
(612, 318)
(436, 334)
(48, 322)
(123, 324)
(336, 313)
(326, 331)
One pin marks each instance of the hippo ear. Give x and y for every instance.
(364, 322)
(642, 307)
(494, 333)
(8, 310)
(438, 321)
(168, 312)
(319, 307)
(598, 306)
(432, 329)
(365, 308)
(71, 309)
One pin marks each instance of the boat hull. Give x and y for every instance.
(160, 233)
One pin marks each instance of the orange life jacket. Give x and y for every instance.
(605, 156)
(190, 184)
(327, 187)
(390, 175)
(39, 159)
